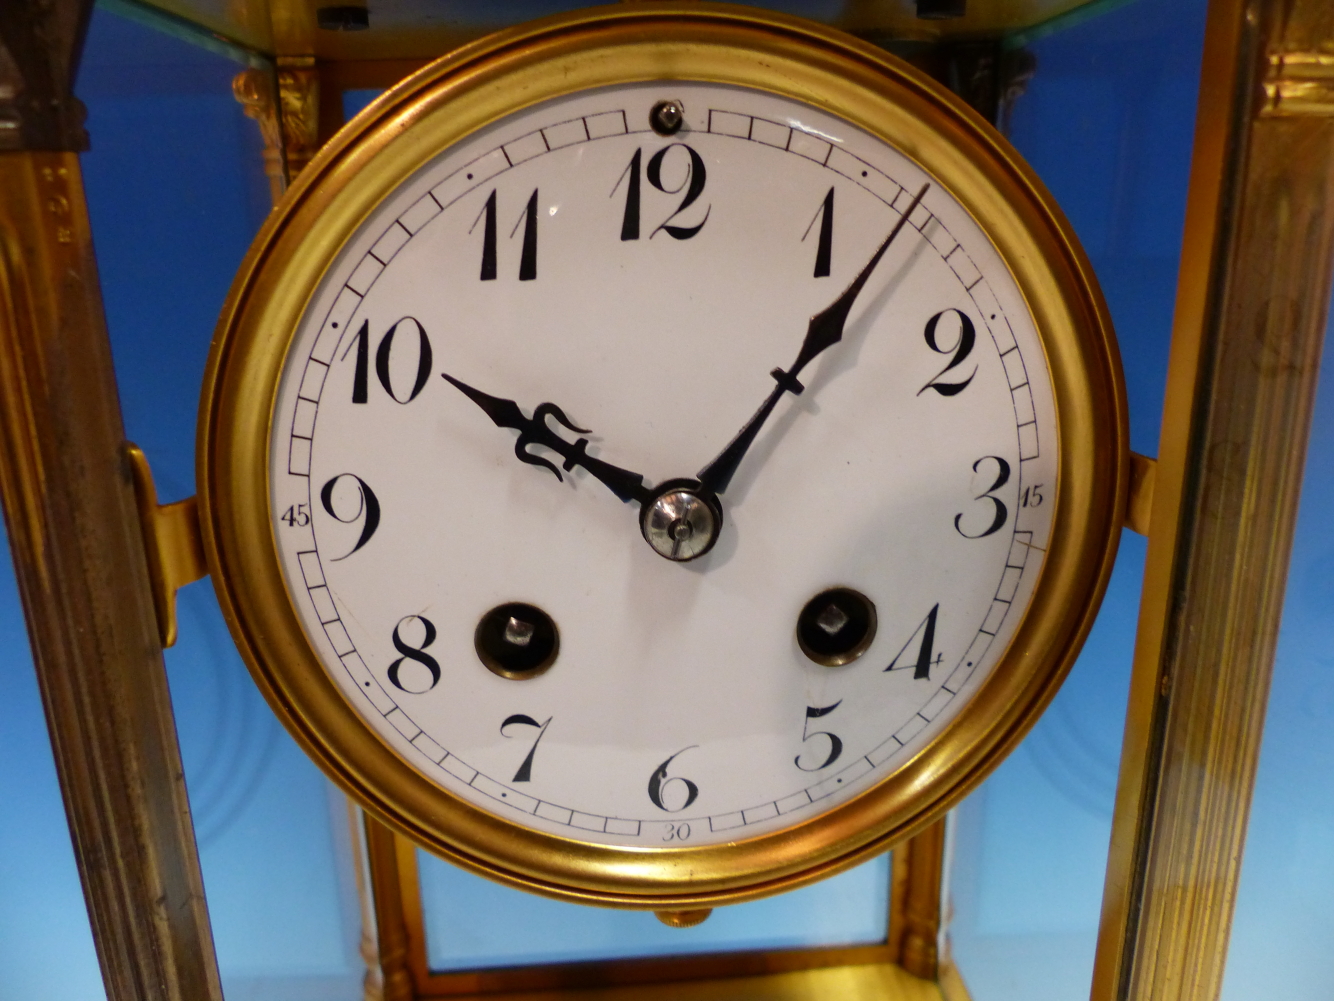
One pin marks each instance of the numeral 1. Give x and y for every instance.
(824, 244)
(528, 257)
(630, 221)
(488, 237)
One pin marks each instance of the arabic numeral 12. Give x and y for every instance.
(690, 188)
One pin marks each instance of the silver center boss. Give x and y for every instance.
(680, 521)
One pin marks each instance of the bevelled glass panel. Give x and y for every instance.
(472, 923)
(46, 945)
(1107, 122)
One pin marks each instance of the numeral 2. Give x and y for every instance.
(525, 772)
(962, 348)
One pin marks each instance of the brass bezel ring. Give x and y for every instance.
(478, 85)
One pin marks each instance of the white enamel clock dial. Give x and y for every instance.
(643, 287)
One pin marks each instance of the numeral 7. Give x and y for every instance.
(525, 772)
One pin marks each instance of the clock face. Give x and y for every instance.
(610, 304)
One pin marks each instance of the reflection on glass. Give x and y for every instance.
(46, 945)
(1107, 122)
(472, 923)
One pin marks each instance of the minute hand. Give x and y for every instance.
(825, 330)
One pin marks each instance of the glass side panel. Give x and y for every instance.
(472, 923)
(176, 193)
(1285, 905)
(1107, 122)
(46, 946)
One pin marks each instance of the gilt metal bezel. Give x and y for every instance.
(515, 69)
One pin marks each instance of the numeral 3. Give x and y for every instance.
(1001, 511)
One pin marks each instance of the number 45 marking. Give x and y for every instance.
(926, 655)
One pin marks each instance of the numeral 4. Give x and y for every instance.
(925, 656)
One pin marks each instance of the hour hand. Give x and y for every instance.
(534, 430)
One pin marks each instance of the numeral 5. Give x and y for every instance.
(835, 743)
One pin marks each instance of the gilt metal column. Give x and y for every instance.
(76, 539)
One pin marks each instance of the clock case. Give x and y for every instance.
(480, 84)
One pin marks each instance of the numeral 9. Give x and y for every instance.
(368, 508)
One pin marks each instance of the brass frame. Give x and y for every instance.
(83, 576)
(910, 939)
(476, 86)
(1251, 308)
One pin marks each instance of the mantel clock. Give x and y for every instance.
(661, 455)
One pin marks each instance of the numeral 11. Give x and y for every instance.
(527, 256)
